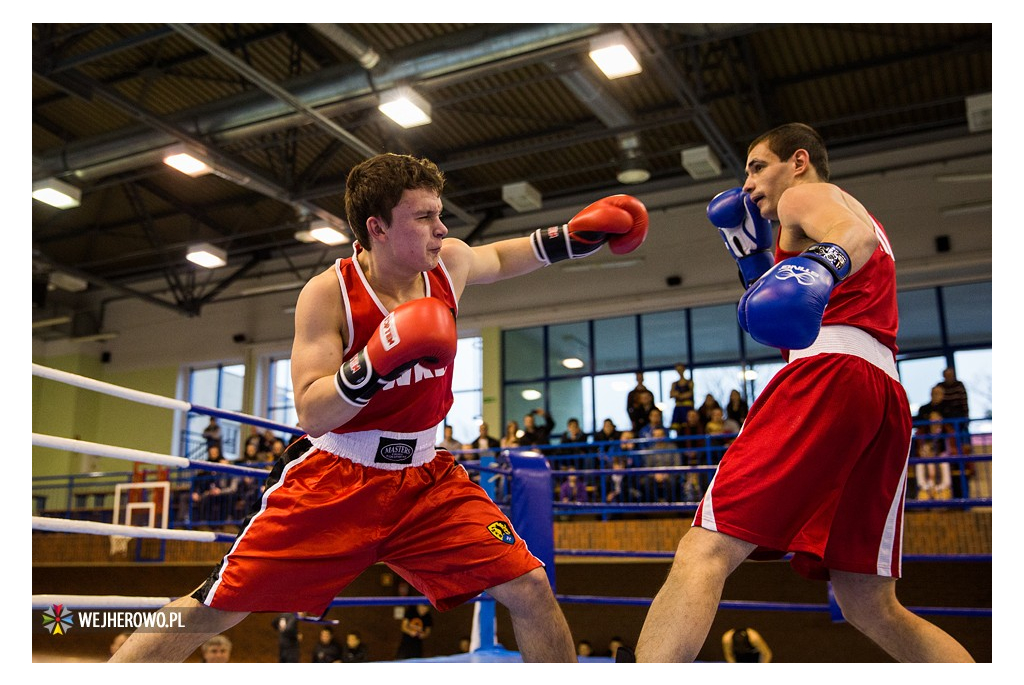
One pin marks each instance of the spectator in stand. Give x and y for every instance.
(575, 440)
(327, 649)
(693, 453)
(613, 647)
(935, 404)
(214, 492)
(736, 408)
(449, 442)
(288, 637)
(954, 396)
(485, 441)
(655, 420)
(617, 487)
(632, 398)
(584, 648)
(934, 479)
(718, 426)
(627, 449)
(216, 650)
(277, 448)
(955, 410)
(682, 392)
(212, 434)
(705, 409)
(354, 651)
(534, 435)
(416, 626)
(745, 646)
(572, 489)
(605, 438)
(511, 440)
(640, 410)
(661, 485)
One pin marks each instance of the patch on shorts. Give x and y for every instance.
(502, 531)
(394, 451)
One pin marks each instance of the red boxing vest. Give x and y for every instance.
(867, 298)
(420, 398)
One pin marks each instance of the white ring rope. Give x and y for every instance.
(108, 389)
(101, 450)
(43, 602)
(98, 449)
(59, 525)
(155, 400)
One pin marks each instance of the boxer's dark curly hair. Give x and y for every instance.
(784, 140)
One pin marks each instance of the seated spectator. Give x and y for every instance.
(705, 409)
(934, 479)
(613, 647)
(217, 501)
(607, 435)
(510, 440)
(277, 448)
(736, 408)
(448, 442)
(933, 405)
(354, 650)
(618, 489)
(584, 648)
(627, 449)
(716, 426)
(485, 442)
(745, 646)
(661, 485)
(216, 650)
(575, 440)
(327, 649)
(693, 446)
(572, 489)
(655, 420)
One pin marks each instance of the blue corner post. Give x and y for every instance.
(532, 514)
(484, 616)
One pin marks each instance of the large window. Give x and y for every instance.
(217, 387)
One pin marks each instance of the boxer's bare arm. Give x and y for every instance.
(489, 263)
(812, 213)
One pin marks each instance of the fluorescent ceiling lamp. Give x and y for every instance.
(57, 193)
(614, 56)
(206, 255)
(67, 282)
(55, 321)
(322, 231)
(405, 107)
(181, 159)
(572, 363)
(95, 337)
(530, 394)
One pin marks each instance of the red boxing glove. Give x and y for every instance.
(619, 220)
(417, 332)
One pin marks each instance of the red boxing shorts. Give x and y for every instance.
(324, 519)
(819, 469)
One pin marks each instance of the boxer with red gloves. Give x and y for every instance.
(372, 359)
(819, 470)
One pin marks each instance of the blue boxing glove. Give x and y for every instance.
(784, 308)
(748, 236)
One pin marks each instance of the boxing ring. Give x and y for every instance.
(521, 482)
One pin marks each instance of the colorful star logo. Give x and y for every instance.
(57, 619)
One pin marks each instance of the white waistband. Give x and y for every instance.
(850, 340)
(381, 449)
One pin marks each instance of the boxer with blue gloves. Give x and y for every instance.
(818, 470)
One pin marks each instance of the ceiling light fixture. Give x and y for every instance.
(633, 168)
(530, 394)
(206, 255)
(57, 193)
(405, 107)
(323, 232)
(615, 56)
(573, 363)
(185, 161)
